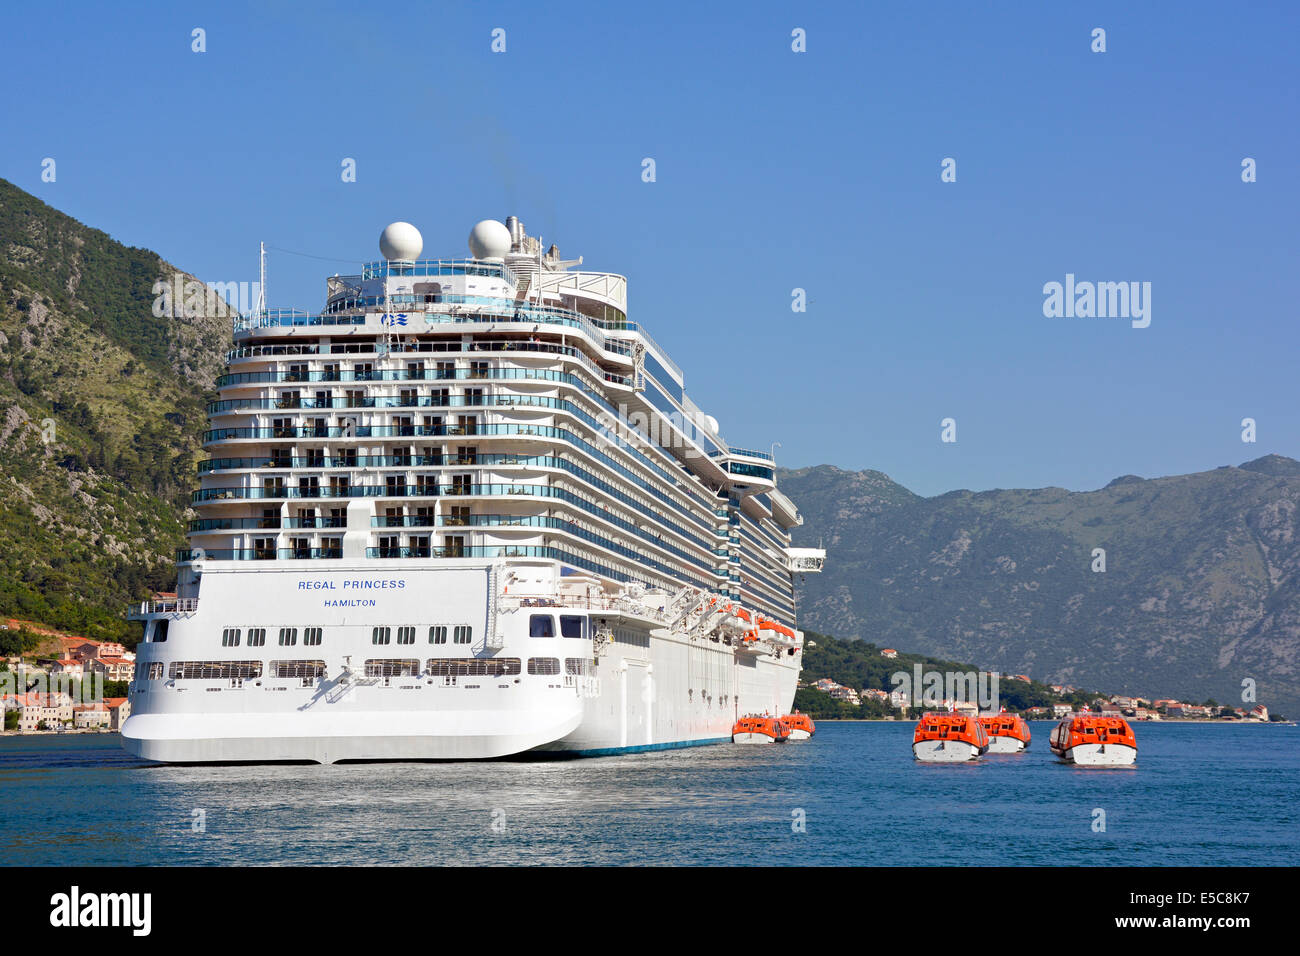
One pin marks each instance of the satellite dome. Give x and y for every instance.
(489, 239)
(400, 240)
(711, 423)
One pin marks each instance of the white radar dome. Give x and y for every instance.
(489, 239)
(401, 240)
(711, 423)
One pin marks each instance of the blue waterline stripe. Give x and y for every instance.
(642, 748)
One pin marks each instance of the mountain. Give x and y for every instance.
(1199, 589)
(101, 412)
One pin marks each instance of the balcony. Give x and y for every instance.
(745, 452)
(210, 495)
(185, 555)
(173, 606)
(202, 525)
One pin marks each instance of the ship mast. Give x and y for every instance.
(261, 282)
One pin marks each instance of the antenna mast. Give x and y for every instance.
(261, 284)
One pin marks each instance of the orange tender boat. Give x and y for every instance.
(801, 725)
(1091, 740)
(1008, 733)
(759, 729)
(944, 738)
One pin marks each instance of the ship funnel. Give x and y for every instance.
(516, 230)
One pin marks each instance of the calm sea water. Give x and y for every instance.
(1226, 795)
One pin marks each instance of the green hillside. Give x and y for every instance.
(102, 410)
(860, 665)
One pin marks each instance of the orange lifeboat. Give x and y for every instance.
(1008, 733)
(801, 725)
(759, 729)
(767, 624)
(945, 738)
(1091, 740)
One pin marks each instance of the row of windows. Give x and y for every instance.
(214, 670)
(543, 625)
(387, 667)
(311, 636)
(539, 625)
(460, 634)
(308, 670)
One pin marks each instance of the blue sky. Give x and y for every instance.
(775, 170)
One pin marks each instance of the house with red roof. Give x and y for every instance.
(113, 668)
(119, 709)
(33, 709)
(68, 666)
(90, 716)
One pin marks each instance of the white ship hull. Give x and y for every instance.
(944, 751)
(1006, 745)
(647, 688)
(1100, 755)
(800, 735)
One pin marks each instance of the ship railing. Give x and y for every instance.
(658, 349)
(493, 345)
(167, 606)
(595, 602)
(435, 267)
(747, 452)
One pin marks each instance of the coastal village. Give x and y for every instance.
(54, 708)
(1118, 705)
(41, 694)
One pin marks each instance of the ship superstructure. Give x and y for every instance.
(466, 510)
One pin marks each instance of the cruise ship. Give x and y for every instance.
(467, 510)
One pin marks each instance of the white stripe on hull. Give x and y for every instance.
(944, 751)
(797, 734)
(424, 737)
(1100, 755)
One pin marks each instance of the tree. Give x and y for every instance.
(11, 720)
